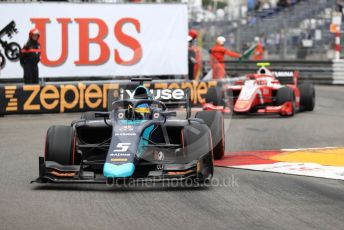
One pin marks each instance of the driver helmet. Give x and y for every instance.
(143, 111)
(264, 71)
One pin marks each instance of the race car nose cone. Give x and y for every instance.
(241, 106)
(123, 170)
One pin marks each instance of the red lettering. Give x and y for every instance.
(128, 41)
(40, 24)
(85, 40)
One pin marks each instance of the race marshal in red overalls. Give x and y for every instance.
(30, 57)
(217, 57)
(258, 53)
(197, 68)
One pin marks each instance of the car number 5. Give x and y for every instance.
(122, 147)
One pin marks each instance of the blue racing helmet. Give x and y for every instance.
(143, 111)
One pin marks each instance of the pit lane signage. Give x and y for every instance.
(100, 39)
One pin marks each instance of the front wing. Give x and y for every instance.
(52, 172)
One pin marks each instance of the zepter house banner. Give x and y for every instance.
(90, 96)
(96, 39)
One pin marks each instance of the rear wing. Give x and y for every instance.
(287, 77)
(284, 77)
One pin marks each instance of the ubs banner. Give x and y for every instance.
(78, 97)
(96, 39)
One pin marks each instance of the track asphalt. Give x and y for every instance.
(238, 199)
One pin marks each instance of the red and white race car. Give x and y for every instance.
(263, 92)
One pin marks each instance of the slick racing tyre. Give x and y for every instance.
(286, 94)
(60, 145)
(214, 96)
(198, 145)
(307, 96)
(214, 120)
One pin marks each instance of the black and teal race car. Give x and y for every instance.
(139, 139)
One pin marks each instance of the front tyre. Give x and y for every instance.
(307, 96)
(284, 95)
(60, 145)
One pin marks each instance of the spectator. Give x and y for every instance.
(283, 3)
(339, 6)
(258, 5)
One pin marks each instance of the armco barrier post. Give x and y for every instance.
(337, 54)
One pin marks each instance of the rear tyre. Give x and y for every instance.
(198, 144)
(214, 120)
(214, 96)
(284, 95)
(60, 145)
(307, 96)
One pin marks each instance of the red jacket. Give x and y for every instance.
(218, 53)
(258, 52)
(217, 57)
(198, 64)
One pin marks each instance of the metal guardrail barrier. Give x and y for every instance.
(318, 72)
(338, 72)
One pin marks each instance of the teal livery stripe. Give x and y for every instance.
(143, 142)
(116, 171)
(131, 122)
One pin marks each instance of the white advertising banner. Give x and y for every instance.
(97, 39)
